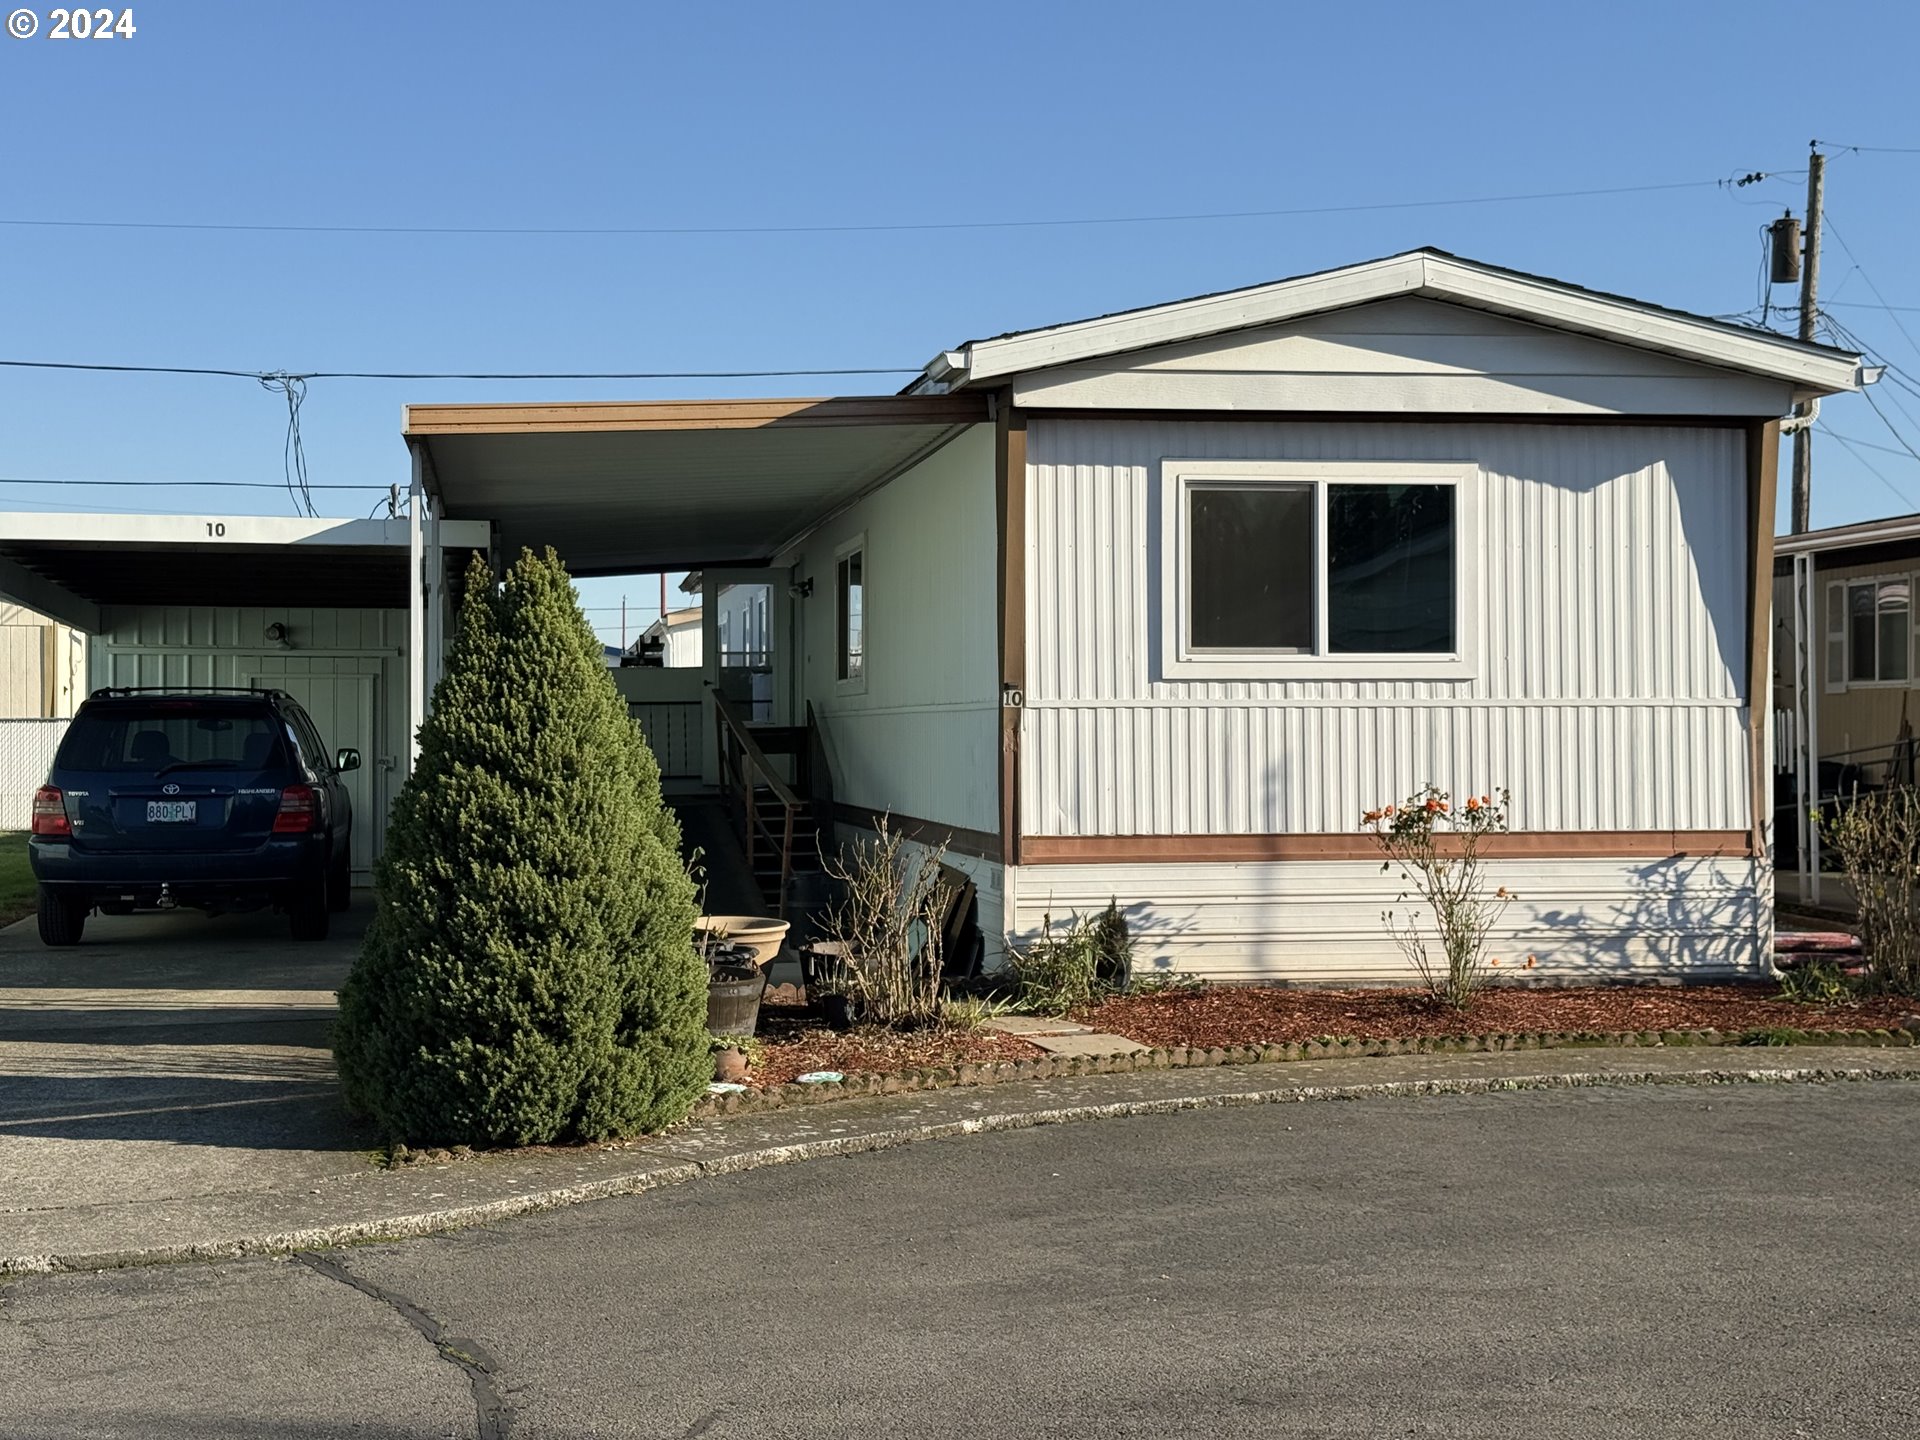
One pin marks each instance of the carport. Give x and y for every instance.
(327, 610)
(727, 488)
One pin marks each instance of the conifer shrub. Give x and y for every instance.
(529, 975)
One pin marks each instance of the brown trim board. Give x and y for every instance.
(957, 838)
(1395, 417)
(1010, 504)
(1231, 849)
(511, 418)
(1763, 472)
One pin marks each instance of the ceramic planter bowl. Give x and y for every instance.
(762, 935)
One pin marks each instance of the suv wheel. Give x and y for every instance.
(309, 911)
(62, 916)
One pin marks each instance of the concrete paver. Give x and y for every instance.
(1088, 1043)
(1031, 1025)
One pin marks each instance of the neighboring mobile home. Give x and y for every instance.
(1153, 606)
(1844, 674)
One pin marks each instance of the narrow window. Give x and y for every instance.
(1892, 606)
(851, 584)
(1836, 637)
(1250, 567)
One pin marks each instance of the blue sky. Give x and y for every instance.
(628, 114)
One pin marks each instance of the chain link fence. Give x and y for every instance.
(26, 754)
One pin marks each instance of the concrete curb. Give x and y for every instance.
(457, 1217)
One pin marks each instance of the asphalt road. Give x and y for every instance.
(1650, 1262)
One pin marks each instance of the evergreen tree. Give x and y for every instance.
(529, 975)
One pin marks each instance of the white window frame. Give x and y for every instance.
(856, 685)
(1180, 661)
(1839, 632)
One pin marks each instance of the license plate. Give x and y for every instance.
(170, 812)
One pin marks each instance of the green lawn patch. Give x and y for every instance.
(16, 877)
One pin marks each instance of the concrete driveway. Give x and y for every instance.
(154, 1058)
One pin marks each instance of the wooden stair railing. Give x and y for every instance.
(745, 771)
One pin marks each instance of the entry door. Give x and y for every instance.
(342, 707)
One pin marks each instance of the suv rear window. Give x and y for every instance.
(145, 737)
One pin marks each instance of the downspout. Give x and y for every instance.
(1804, 414)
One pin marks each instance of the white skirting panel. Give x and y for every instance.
(1320, 921)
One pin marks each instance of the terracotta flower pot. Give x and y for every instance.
(730, 1066)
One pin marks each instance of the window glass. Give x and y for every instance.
(1861, 630)
(1390, 586)
(851, 583)
(1250, 567)
(1836, 636)
(1891, 611)
(143, 739)
(308, 736)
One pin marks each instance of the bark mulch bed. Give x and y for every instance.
(1249, 1016)
(794, 1043)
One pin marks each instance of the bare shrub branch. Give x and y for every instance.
(1435, 848)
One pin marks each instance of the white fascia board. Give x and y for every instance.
(214, 531)
(1430, 276)
(1628, 324)
(56, 602)
(1193, 319)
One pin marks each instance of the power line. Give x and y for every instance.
(911, 227)
(1871, 149)
(265, 376)
(180, 484)
(1867, 304)
(1868, 444)
(1901, 324)
(1874, 470)
(1867, 395)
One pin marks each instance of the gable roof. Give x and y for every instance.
(1426, 273)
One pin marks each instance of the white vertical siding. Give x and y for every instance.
(1611, 636)
(30, 646)
(1581, 920)
(23, 685)
(921, 737)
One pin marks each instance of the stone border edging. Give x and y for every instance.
(1183, 1057)
(461, 1217)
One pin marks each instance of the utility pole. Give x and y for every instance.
(623, 624)
(1809, 314)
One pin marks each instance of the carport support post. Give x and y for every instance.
(1806, 729)
(426, 608)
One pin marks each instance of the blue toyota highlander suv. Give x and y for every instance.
(219, 799)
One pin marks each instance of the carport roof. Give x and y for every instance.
(68, 566)
(619, 488)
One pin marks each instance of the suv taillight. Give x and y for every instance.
(50, 812)
(298, 811)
